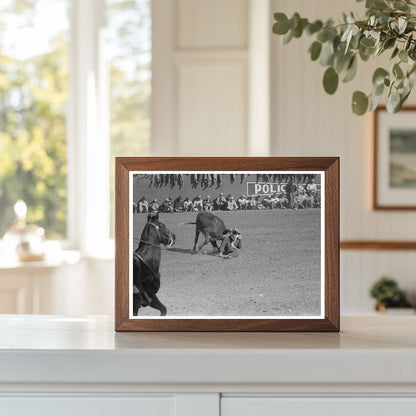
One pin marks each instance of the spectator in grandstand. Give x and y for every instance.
(187, 205)
(274, 201)
(220, 202)
(242, 202)
(291, 189)
(282, 201)
(208, 204)
(259, 202)
(311, 187)
(231, 204)
(251, 204)
(153, 206)
(178, 204)
(142, 205)
(198, 204)
(299, 198)
(231, 244)
(267, 203)
(167, 206)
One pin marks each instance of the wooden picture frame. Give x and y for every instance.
(394, 184)
(135, 170)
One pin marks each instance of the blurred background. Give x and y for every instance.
(83, 81)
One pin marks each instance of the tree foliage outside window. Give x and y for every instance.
(129, 43)
(34, 84)
(33, 102)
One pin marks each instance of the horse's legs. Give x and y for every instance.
(136, 304)
(196, 239)
(157, 304)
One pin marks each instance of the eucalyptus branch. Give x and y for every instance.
(389, 25)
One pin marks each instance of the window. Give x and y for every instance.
(129, 45)
(75, 87)
(33, 104)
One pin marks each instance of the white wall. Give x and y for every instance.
(308, 122)
(202, 81)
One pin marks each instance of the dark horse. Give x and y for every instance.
(146, 262)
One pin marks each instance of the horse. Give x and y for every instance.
(146, 263)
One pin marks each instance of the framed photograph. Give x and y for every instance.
(394, 179)
(227, 244)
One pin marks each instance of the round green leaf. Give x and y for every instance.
(322, 36)
(327, 54)
(351, 71)
(403, 56)
(395, 52)
(408, 42)
(288, 37)
(359, 103)
(330, 80)
(389, 43)
(367, 42)
(393, 101)
(342, 61)
(379, 75)
(282, 25)
(294, 20)
(314, 27)
(315, 50)
(374, 102)
(404, 96)
(378, 90)
(366, 53)
(298, 30)
(397, 71)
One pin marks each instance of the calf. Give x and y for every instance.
(211, 226)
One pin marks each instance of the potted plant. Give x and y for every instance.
(387, 294)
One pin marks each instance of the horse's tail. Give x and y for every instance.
(186, 223)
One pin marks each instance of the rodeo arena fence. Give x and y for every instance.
(169, 193)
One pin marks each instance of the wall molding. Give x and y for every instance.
(377, 245)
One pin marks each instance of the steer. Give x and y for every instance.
(211, 227)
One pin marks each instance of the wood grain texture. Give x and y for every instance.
(330, 165)
(376, 205)
(121, 244)
(378, 245)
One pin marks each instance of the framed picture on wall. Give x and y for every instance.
(227, 244)
(394, 179)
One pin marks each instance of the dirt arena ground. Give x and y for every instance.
(277, 273)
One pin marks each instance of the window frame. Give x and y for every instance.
(88, 133)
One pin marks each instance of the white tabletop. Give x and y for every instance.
(376, 349)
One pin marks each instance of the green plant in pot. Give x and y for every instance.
(389, 27)
(387, 294)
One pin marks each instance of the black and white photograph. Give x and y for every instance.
(226, 244)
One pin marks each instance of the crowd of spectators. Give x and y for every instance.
(295, 196)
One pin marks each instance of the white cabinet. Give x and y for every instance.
(88, 406)
(268, 406)
(51, 365)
